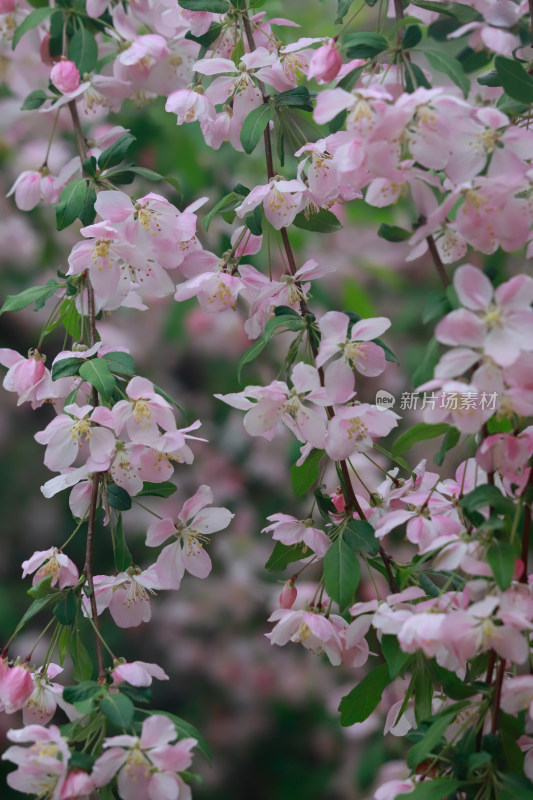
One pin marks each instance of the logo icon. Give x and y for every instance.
(384, 400)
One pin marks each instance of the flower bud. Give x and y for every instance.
(7, 6)
(288, 595)
(65, 76)
(325, 63)
(78, 785)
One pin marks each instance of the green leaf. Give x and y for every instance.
(123, 557)
(322, 221)
(83, 691)
(424, 372)
(83, 50)
(487, 495)
(139, 694)
(514, 79)
(343, 6)
(303, 477)
(96, 372)
(88, 212)
(431, 739)
(363, 699)
(65, 609)
(436, 307)
(298, 98)
(420, 79)
(71, 201)
(254, 125)
(394, 656)
(254, 221)
(389, 354)
(63, 644)
(35, 294)
(450, 66)
(66, 367)
(291, 322)
(33, 19)
(392, 233)
(453, 686)
(423, 691)
(228, 203)
(37, 606)
(418, 433)
(187, 731)
(117, 497)
(359, 535)
(412, 37)
(516, 787)
(84, 761)
(365, 44)
(81, 660)
(206, 39)
(144, 172)
(459, 11)
(342, 572)
(451, 438)
(34, 100)
(120, 363)
(215, 6)
(435, 789)
(118, 710)
(490, 78)
(115, 153)
(284, 554)
(501, 557)
(41, 589)
(168, 398)
(165, 489)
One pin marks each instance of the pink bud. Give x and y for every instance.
(65, 76)
(338, 500)
(7, 6)
(288, 595)
(325, 63)
(78, 785)
(44, 50)
(519, 568)
(16, 685)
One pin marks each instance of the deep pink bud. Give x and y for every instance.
(16, 685)
(78, 785)
(65, 76)
(288, 595)
(7, 6)
(325, 63)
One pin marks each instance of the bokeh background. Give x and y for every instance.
(269, 714)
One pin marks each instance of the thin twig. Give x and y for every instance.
(438, 261)
(497, 696)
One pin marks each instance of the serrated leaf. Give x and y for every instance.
(322, 221)
(83, 50)
(118, 498)
(228, 203)
(115, 153)
(215, 6)
(66, 367)
(514, 79)
(363, 699)
(165, 489)
(501, 557)
(298, 98)
(284, 554)
(86, 690)
(123, 557)
(71, 202)
(360, 535)
(81, 660)
(392, 233)
(418, 433)
(33, 19)
(394, 656)
(451, 67)
(96, 372)
(35, 294)
(65, 610)
(365, 44)
(34, 100)
(304, 476)
(118, 710)
(120, 363)
(254, 125)
(342, 572)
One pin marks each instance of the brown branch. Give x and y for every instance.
(497, 696)
(526, 532)
(438, 261)
(91, 523)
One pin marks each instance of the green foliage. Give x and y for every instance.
(284, 554)
(254, 125)
(514, 79)
(442, 62)
(35, 294)
(363, 699)
(30, 22)
(342, 572)
(418, 433)
(96, 372)
(71, 203)
(321, 221)
(304, 476)
(364, 44)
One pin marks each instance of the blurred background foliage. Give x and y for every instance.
(269, 714)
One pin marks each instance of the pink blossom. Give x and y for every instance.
(354, 428)
(65, 76)
(54, 563)
(143, 413)
(78, 786)
(325, 63)
(148, 766)
(194, 523)
(16, 686)
(138, 673)
(517, 694)
(41, 768)
(314, 631)
(28, 377)
(290, 531)
(41, 705)
(281, 200)
(68, 431)
(126, 596)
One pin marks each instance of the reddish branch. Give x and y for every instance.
(352, 502)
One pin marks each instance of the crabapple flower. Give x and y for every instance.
(78, 786)
(313, 630)
(28, 377)
(47, 695)
(194, 522)
(16, 686)
(517, 694)
(65, 76)
(54, 563)
(288, 595)
(353, 429)
(143, 413)
(66, 433)
(281, 200)
(289, 531)
(42, 767)
(125, 595)
(325, 63)
(138, 673)
(147, 766)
